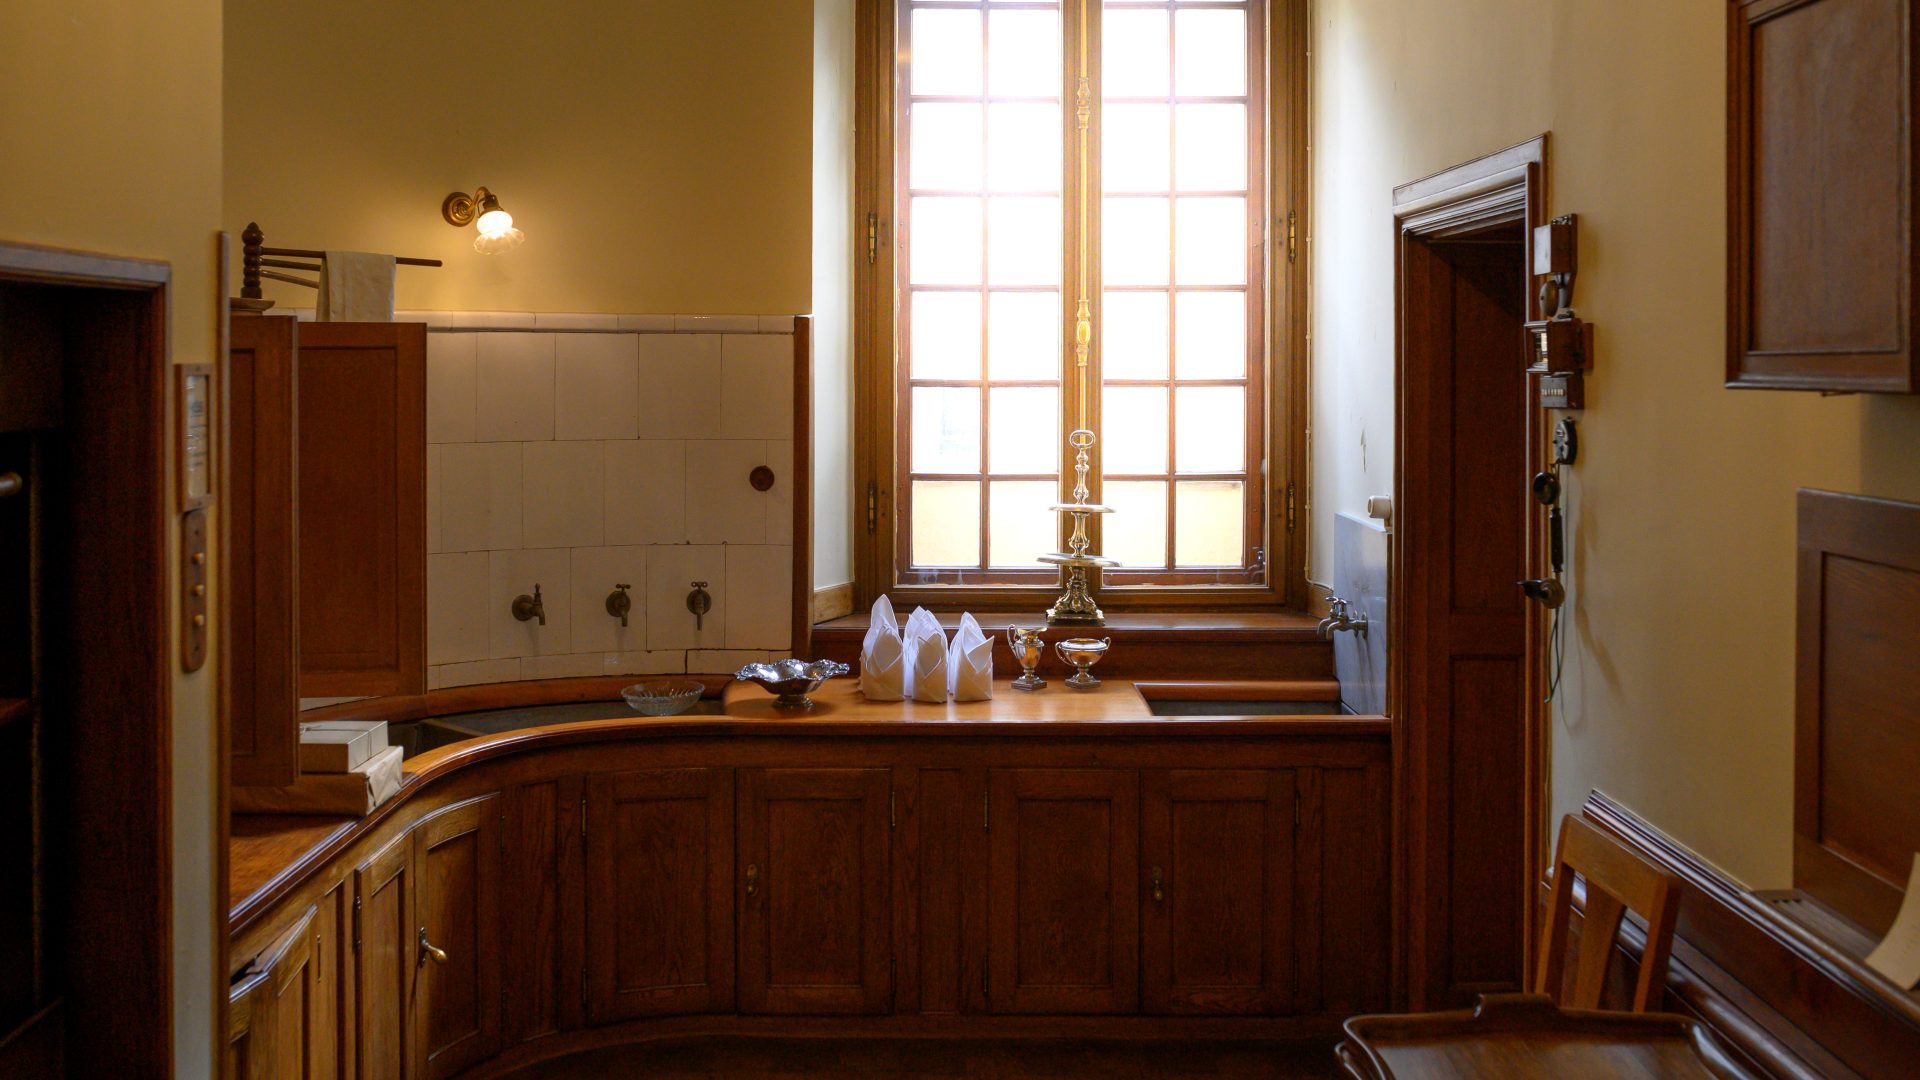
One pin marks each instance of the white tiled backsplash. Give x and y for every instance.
(584, 451)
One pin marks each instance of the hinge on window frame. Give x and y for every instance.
(873, 237)
(873, 506)
(1290, 507)
(1293, 237)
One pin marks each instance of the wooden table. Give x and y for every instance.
(1526, 1035)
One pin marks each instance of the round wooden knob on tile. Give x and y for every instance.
(761, 478)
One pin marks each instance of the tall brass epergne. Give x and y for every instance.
(1076, 606)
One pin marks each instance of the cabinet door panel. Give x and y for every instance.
(384, 1030)
(1064, 891)
(457, 854)
(815, 882)
(1218, 849)
(660, 893)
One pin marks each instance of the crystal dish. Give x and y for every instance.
(663, 697)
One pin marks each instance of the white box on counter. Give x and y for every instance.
(355, 792)
(337, 746)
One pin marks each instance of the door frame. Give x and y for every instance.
(1509, 185)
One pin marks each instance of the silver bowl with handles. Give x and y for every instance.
(790, 680)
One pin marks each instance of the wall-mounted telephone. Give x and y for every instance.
(1548, 591)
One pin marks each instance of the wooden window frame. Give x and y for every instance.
(1278, 401)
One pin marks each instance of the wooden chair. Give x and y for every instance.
(1617, 879)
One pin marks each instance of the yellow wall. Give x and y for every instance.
(657, 154)
(1678, 695)
(110, 142)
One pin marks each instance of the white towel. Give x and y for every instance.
(882, 674)
(355, 286)
(926, 647)
(970, 662)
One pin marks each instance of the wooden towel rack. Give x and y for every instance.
(255, 257)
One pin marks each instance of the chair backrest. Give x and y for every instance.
(1617, 879)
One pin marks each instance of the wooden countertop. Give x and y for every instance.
(840, 700)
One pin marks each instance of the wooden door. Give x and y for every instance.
(385, 968)
(457, 935)
(1216, 922)
(279, 1015)
(814, 885)
(1063, 891)
(263, 568)
(659, 893)
(363, 532)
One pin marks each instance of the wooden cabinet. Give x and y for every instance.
(1064, 890)
(1820, 214)
(1216, 923)
(284, 1009)
(814, 876)
(659, 893)
(457, 857)
(385, 946)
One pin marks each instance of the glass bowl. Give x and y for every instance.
(663, 697)
(790, 680)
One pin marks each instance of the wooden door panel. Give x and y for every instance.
(263, 568)
(457, 855)
(1216, 921)
(660, 893)
(384, 968)
(815, 882)
(1063, 890)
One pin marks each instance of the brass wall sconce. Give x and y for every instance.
(482, 210)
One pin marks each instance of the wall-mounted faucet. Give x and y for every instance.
(530, 607)
(1339, 619)
(699, 601)
(619, 603)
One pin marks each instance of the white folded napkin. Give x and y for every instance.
(970, 662)
(926, 660)
(882, 674)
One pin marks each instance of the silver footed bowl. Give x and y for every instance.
(790, 681)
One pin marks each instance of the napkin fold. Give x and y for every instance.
(926, 660)
(882, 667)
(970, 662)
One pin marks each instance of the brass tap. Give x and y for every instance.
(619, 603)
(530, 607)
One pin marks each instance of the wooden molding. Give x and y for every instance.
(833, 602)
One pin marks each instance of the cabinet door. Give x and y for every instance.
(1215, 925)
(814, 885)
(457, 1000)
(385, 1035)
(1063, 904)
(660, 893)
(279, 1014)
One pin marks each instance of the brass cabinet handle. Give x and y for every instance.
(1159, 885)
(753, 878)
(428, 948)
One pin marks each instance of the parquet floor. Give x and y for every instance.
(946, 1060)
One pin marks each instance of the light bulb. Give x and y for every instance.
(495, 222)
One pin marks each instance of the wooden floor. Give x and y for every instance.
(945, 1060)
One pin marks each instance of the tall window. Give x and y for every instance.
(1080, 194)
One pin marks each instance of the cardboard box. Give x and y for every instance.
(355, 792)
(337, 746)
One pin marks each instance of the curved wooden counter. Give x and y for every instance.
(863, 868)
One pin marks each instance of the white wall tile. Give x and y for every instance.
(716, 324)
(670, 574)
(512, 573)
(564, 494)
(780, 497)
(657, 662)
(514, 397)
(495, 320)
(722, 506)
(650, 324)
(435, 320)
(596, 392)
(480, 496)
(575, 320)
(646, 491)
(563, 666)
(452, 384)
(596, 570)
(679, 385)
(483, 671)
(760, 596)
(756, 386)
(433, 499)
(727, 661)
(457, 608)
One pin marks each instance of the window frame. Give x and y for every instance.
(1278, 389)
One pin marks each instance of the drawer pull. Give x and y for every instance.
(429, 949)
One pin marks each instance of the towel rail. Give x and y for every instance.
(254, 257)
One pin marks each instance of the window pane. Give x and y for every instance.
(1210, 430)
(1210, 246)
(1211, 335)
(946, 523)
(1133, 237)
(945, 147)
(1020, 528)
(1023, 53)
(1023, 335)
(1210, 147)
(1133, 335)
(1023, 241)
(946, 429)
(945, 241)
(1023, 429)
(946, 335)
(1023, 147)
(946, 52)
(1134, 53)
(1136, 532)
(1135, 421)
(1207, 523)
(1133, 147)
(1210, 53)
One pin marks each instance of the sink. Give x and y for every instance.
(434, 732)
(1244, 708)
